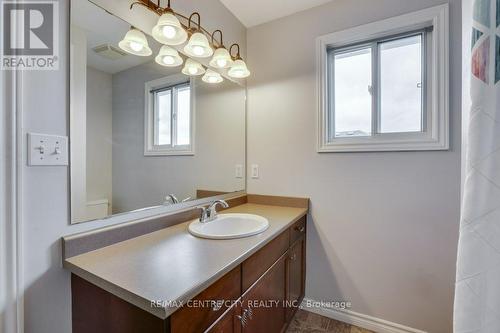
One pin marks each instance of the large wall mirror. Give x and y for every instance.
(144, 135)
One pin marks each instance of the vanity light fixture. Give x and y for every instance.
(239, 68)
(221, 58)
(198, 45)
(212, 77)
(169, 29)
(168, 57)
(193, 68)
(136, 43)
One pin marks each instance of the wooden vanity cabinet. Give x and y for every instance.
(295, 277)
(229, 322)
(263, 305)
(265, 292)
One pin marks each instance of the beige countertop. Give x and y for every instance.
(171, 265)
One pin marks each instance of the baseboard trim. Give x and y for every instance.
(358, 319)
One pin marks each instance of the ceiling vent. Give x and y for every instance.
(109, 52)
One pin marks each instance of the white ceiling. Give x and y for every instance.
(255, 12)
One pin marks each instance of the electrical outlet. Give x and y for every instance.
(255, 171)
(239, 171)
(49, 150)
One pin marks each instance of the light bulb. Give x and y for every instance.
(192, 70)
(169, 31)
(198, 50)
(168, 60)
(221, 63)
(137, 47)
(212, 79)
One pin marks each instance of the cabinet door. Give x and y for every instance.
(263, 308)
(295, 277)
(229, 322)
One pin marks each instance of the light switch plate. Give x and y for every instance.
(239, 171)
(48, 150)
(255, 171)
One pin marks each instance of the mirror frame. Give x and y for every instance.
(153, 211)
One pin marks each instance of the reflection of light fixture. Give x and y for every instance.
(135, 42)
(168, 57)
(239, 68)
(169, 30)
(221, 58)
(198, 45)
(193, 68)
(212, 77)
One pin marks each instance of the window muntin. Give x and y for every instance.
(378, 88)
(172, 116)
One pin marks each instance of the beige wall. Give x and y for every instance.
(383, 226)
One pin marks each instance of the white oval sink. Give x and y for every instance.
(230, 226)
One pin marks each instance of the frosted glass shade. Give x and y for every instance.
(169, 30)
(239, 70)
(212, 77)
(136, 43)
(221, 58)
(168, 57)
(193, 68)
(198, 46)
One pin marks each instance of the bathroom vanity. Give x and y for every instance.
(167, 280)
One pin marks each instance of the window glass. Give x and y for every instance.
(353, 93)
(183, 115)
(401, 85)
(163, 118)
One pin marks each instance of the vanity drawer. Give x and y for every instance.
(256, 265)
(298, 230)
(191, 319)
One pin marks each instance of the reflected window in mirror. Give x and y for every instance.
(169, 117)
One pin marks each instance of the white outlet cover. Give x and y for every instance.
(47, 150)
(239, 171)
(255, 171)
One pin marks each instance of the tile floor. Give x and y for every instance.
(307, 322)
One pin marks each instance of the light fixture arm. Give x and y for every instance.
(221, 42)
(237, 56)
(149, 5)
(191, 19)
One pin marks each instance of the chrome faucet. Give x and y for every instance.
(172, 199)
(210, 213)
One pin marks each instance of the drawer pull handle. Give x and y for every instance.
(243, 319)
(300, 228)
(293, 257)
(247, 314)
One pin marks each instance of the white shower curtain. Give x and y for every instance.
(477, 294)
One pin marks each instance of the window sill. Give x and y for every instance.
(373, 144)
(169, 153)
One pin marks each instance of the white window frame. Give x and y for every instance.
(150, 149)
(435, 135)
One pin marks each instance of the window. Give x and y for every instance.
(169, 117)
(386, 91)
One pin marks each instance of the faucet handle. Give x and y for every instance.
(171, 199)
(210, 213)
